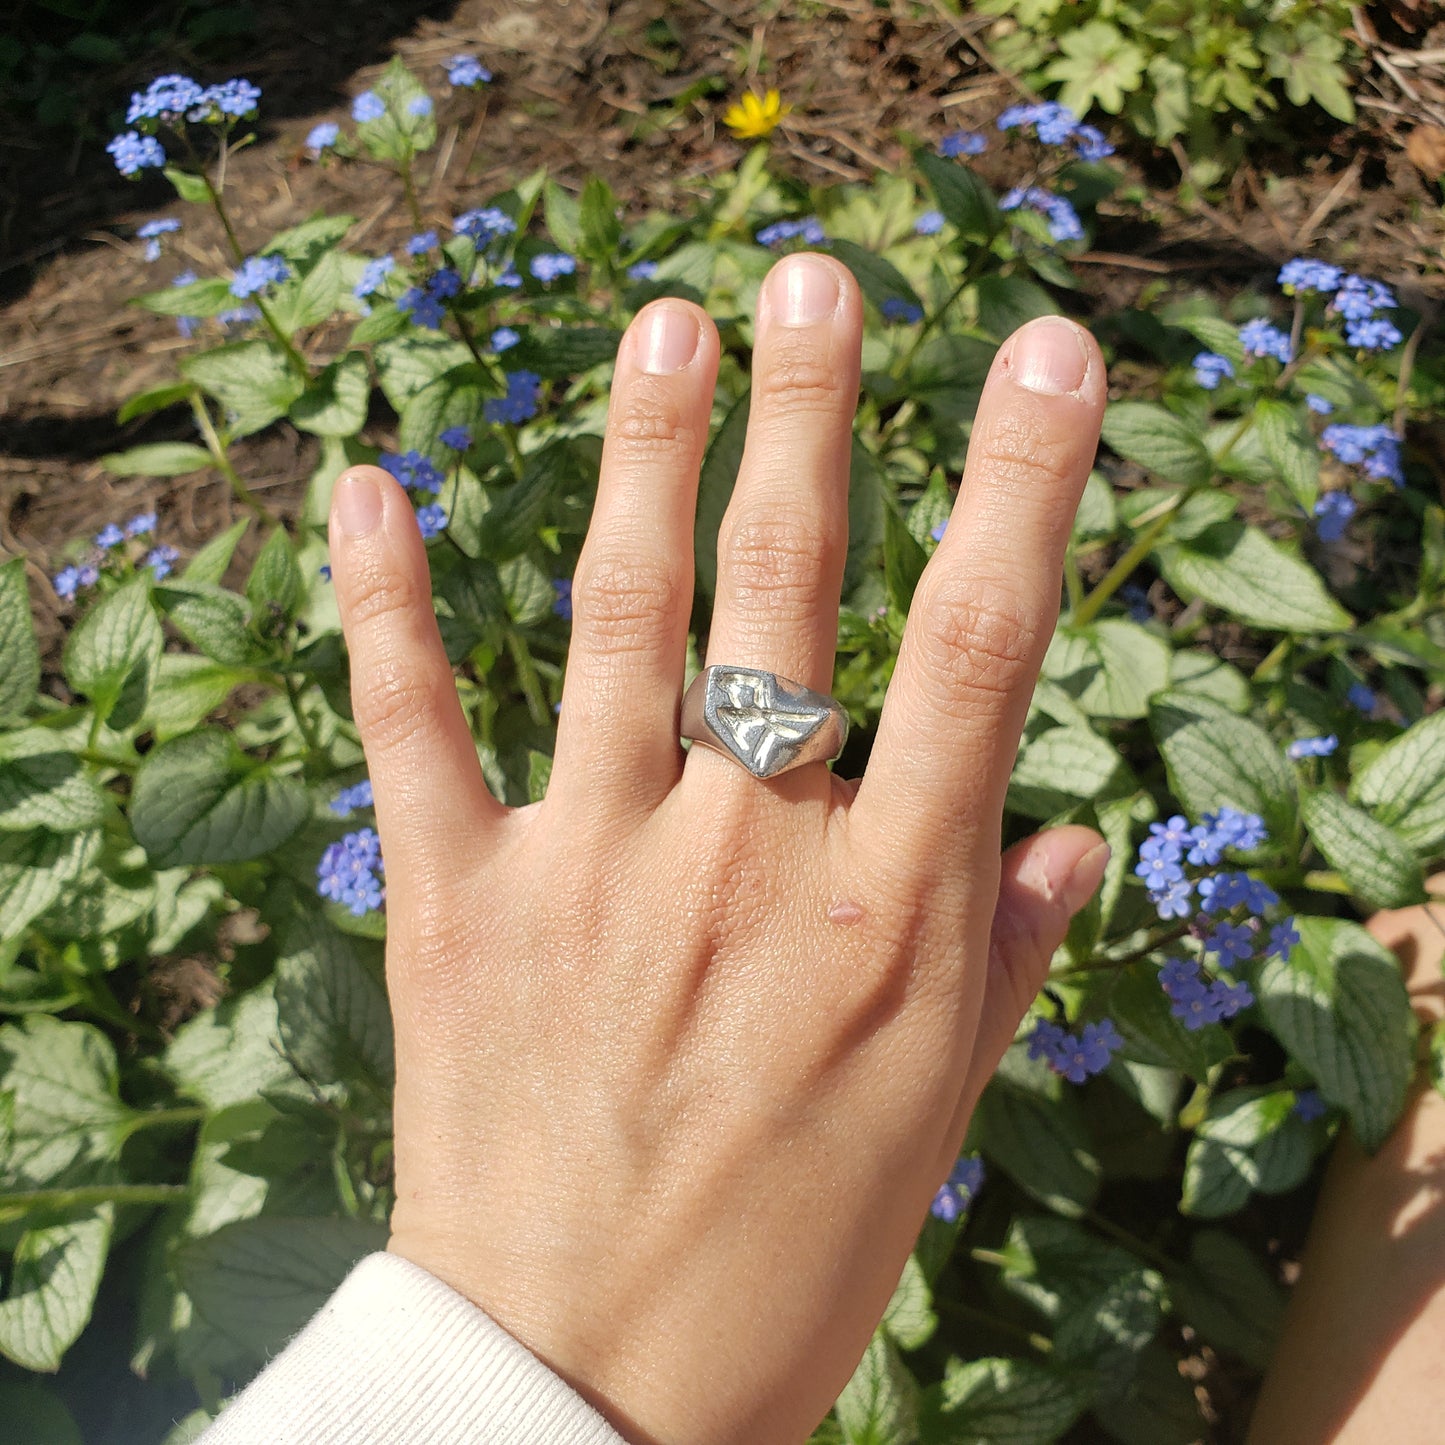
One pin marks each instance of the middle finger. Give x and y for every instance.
(784, 538)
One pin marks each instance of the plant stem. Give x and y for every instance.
(1132, 1242)
(527, 676)
(89, 1195)
(238, 254)
(408, 188)
(308, 731)
(994, 1325)
(1121, 571)
(1072, 581)
(164, 1118)
(214, 445)
(970, 274)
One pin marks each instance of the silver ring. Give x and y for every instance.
(762, 721)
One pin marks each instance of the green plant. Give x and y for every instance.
(172, 799)
(1177, 69)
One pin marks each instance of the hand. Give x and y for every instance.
(683, 1056)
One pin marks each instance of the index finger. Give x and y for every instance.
(987, 602)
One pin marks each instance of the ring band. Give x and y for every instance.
(764, 722)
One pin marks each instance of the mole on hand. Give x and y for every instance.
(845, 911)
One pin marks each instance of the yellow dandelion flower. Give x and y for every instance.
(753, 117)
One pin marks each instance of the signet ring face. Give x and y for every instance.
(762, 721)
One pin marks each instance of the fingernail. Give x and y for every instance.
(1049, 357)
(669, 339)
(357, 504)
(1083, 879)
(803, 290)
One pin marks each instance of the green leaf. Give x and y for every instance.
(1157, 1407)
(879, 279)
(335, 404)
(111, 656)
(1036, 1133)
(1249, 1141)
(715, 489)
(233, 1052)
(42, 785)
(563, 214)
(406, 364)
(454, 399)
(68, 1123)
(210, 563)
(963, 197)
(1246, 574)
(398, 135)
(539, 774)
(557, 352)
(188, 187)
(1339, 1006)
(318, 295)
(1217, 334)
(867, 489)
(1404, 784)
(34, 1414)
(518, 511)
(1006, 302)
(879, 1403)
(1218, 759)
(1158, 441)
(1059, 767)
(331, 1007)
(909, 1319)
(597, 222)
(158, 459)
(20, 676)
(1098, 514)
(275, 586)
(1002, 1401)
(903, 559)
(304, 245)
(199, 799)
(53, 1280)
(200, 298)
(253, 380)
(1152, 1035)
(1229, 1297)
(258, 1281)
(1375, 860)
(1111, 668)
(187, 689)
(214, 619)
(34, 868)
(1058, 1266)
(1109, 1332)
(1292, 448)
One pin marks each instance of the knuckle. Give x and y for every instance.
(798, 377)
(379, 597)
(651, 423)
(1017, 452)
(629, 602)
(777, 563)
(976, 643)
(395, 701)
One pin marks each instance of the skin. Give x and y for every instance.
(682, 1056)
(1362, 1356)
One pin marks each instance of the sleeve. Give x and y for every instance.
(396, 1357)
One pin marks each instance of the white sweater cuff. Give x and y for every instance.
(396, 1357)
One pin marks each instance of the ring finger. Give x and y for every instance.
(784, 537)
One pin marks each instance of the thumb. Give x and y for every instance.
(1044, 881)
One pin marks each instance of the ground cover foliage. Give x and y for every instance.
(1239, 696)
